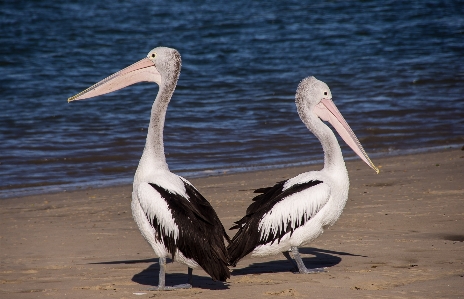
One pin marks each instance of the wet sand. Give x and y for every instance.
(401, 236)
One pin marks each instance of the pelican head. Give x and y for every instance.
(161, 65)
(314, 96)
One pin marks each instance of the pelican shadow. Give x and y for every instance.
(321, 258)
(149, 276)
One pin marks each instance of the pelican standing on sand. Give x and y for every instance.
(171, 214)
(294, 212)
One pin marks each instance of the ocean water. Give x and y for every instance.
(395, 68)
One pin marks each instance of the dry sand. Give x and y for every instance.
(401, 236)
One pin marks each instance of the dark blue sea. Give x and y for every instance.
(395, 68)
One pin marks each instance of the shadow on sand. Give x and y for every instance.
(321, 258)
(149, 276)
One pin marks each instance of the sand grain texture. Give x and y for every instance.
(401, 236)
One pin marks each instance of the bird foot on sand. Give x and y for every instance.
(310, 271)
(171, 288)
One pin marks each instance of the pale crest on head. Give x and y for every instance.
(312, 91)
(166, 60)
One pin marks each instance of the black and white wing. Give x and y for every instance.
(188, 224)
(278, 211)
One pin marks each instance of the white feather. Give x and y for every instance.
(301, 179)
(154, 206)
(292, 208)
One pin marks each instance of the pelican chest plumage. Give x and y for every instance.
(171, 214)
(294, 212)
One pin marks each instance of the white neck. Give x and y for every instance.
(333, 158)
(153, 158)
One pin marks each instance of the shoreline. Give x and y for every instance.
(400, 235)
(51, 189)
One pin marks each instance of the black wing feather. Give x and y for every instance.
(249, 237)
(201, 233)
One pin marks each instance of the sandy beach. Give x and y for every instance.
(400, 236)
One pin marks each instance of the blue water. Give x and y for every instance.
(395, 68)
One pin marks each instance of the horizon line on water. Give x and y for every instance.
(58, 188)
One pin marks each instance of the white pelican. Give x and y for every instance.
(171, 214)
(296, 211)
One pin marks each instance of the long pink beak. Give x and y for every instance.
(141, 71)
(327, 111)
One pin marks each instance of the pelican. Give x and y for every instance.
(296, 211)
(171, 214)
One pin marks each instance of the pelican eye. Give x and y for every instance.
(325, 93)
(153, 55)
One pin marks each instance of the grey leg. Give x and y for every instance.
(162, 282)
(301, 267)
(162, 274)
(190, 270)
(289, 258)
